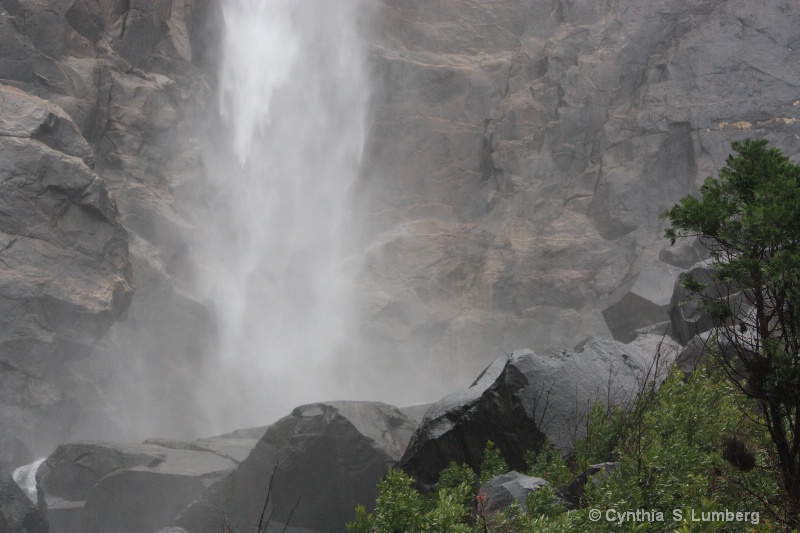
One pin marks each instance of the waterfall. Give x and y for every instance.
(292, 98)
(25, 478)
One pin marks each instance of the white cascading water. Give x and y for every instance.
(293, 96)
(25, 478)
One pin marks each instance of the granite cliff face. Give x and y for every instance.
(521, 153)
(94, 96)
(518, 158)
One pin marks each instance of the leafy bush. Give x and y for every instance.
(398, 508)
(492, 464)
(549, 464)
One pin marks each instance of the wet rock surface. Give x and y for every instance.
(65, 276)
(687, 316)
(645, 302)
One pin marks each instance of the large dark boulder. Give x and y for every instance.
(693, 353)
(325, 457)
(523, 397)
(17, 513)
(684, 253)
(687, 316)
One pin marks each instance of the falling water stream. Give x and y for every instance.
(292, 98)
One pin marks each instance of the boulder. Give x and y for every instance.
(503, 490)
(685, 253)
(687, 317)
(320, 461)
(691, 354)
(726, 341)
(94, 486)
(574, 492)
(522, 397)
(643, 301)
(17, 513)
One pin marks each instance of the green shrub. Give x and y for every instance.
(549, 464)
(399, 507)
(492, 464)
(363, 523)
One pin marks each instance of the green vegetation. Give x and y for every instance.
(749, 218)
(673, 452)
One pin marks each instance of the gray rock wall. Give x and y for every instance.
(521, 153)
(96, 143)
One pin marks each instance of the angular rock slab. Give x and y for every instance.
(93, 486)
(522, 397)
(505, 489)
(326, 458)
(645, 301)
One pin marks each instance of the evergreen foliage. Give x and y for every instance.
(749, 218)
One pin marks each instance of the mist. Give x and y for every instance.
(293, 95)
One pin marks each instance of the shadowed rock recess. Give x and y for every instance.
(518, 156)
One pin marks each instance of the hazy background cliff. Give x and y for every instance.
(516, 158)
